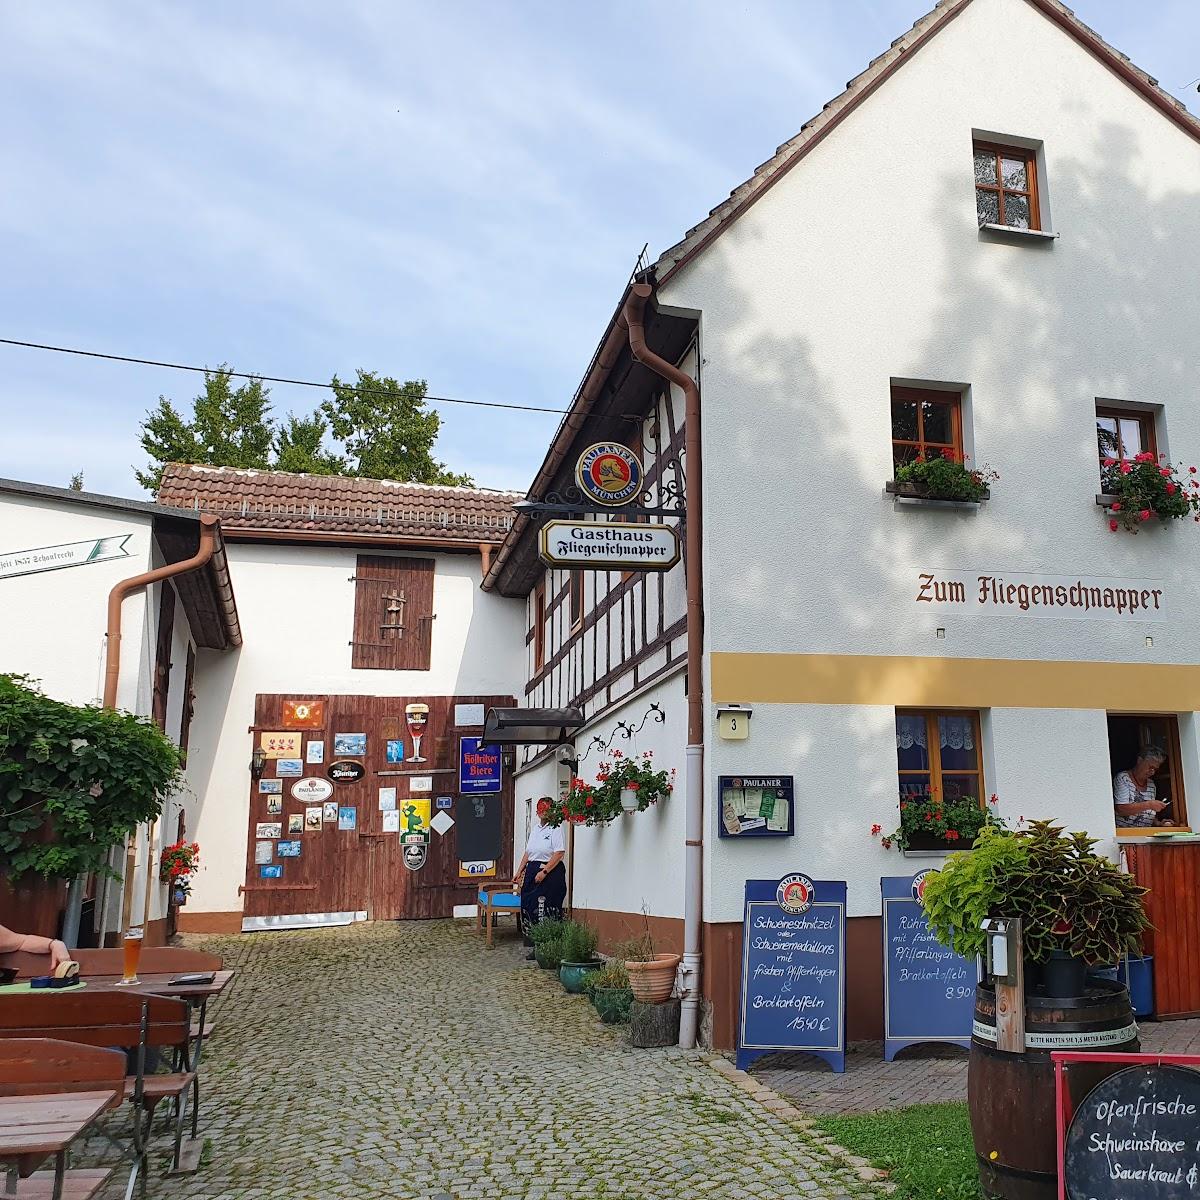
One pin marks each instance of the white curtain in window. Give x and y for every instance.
(957, 732)
(910, 732)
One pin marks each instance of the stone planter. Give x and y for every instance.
(573, 975)
(652, 982)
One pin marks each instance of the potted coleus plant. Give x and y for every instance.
(177, 866)
(1135, 491)
(1077, 908)
(943, 476)
(929, 823)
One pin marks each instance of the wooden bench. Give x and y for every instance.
(493, 900)
(44, 1066)
(106, 1017)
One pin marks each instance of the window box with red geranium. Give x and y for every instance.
(930, 825)
(1137, 489)
(177, 866)
(942, 476)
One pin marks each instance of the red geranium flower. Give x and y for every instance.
(1170, 489)
(875, 830)
(1116, 506)
(1144, 514)
(1113, 526)
(1110, 462)
(1125, 468)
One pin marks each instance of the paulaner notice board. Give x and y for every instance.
(928, 990)
(793, 994)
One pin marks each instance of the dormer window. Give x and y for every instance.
(1006, 186)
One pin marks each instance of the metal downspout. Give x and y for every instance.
(693, 878)
(210, 527)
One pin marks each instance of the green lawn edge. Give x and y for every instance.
(926, 1150)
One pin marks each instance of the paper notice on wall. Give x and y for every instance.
(778, 818)
(264, 852)
(387, 799)
(468, 715)
(391, 821)
(752, 802)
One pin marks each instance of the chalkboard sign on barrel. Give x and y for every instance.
(793, 969)
(928, 990)
(1136, 1136)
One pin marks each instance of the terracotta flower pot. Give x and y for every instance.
(652, 982)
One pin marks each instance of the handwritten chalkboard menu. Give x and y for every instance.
(793, 970)
(756, 806)
(1136, 1136)
(928, 990)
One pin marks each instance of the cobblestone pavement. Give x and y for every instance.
(407, 1061)
(921, 1075)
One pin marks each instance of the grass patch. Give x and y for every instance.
(926, 1149)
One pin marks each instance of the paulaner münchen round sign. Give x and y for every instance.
(609, 473)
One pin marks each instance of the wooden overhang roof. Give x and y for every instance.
(616, 392)
(283, 506)
(206, 595)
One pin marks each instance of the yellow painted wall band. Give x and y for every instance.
(912, 682)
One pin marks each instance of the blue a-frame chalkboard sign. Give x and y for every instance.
(793, 995)
(928, 990)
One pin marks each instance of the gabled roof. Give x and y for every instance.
(334, 507)
(206, 595)
(813, 131)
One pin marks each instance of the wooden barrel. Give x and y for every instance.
(1011, 1096)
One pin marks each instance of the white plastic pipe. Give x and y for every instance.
(693, 868)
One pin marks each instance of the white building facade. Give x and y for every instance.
(866, 279)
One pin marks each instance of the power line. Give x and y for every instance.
(152, 362)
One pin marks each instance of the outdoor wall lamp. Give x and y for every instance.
(258, 762)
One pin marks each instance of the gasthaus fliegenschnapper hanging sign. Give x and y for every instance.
(609, 473)
(609, 546)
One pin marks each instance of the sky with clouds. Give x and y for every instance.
(454, 191)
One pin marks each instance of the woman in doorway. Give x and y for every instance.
(541, 874)
(1133, 792)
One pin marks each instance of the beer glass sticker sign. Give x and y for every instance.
(793, 993)
(416, 717)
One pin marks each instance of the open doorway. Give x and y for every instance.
(1131, 733)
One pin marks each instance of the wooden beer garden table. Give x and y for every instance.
(32, 1128)
(158, 983)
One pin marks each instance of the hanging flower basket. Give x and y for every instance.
(177, 866)
(627, 784)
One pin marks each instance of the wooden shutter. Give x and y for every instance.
(393, 613)
(162, 655)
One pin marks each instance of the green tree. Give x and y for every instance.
(230, 426)
(76, 484)
(387, 431)
(299, 447)
(384, 429)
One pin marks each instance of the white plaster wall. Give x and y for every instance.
(1041, 763)
(54, 621)
(296, 605)
(637, 860)
(865, 265)
(826, 289)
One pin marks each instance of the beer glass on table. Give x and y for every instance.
(132, 945)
